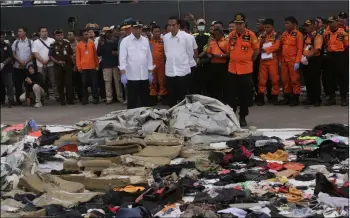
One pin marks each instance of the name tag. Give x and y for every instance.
(246, 38)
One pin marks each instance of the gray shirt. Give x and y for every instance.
(23, 51)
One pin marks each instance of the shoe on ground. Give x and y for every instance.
(294, 101)
(125, 102)
(285, 101)
(273, 99)
(242, 122)
(37, 105)
(307, 102)
(260, 99)
(95, 101)
(71, 103)
(58, 99)
(85, 102)
(344, 102)
(330, 101)
(109, 102)
(63, 103)
(317, 103)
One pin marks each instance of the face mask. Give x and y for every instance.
(201, 28)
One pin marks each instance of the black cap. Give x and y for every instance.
(239, 18)
(291, 19)
(126, 24)
(260, 21)
(343, 15)
(332, 19)
(58, 31)
(146, 27)
(136, 23)
(269, 21)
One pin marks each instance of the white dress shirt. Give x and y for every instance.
(179, 53)
(23, 51)
(135, 57)
(41, 49)
(195, 46)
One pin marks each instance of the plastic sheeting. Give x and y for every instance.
(199, 118)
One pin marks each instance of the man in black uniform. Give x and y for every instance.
(199, 77)
(6, 70)
(61, 54)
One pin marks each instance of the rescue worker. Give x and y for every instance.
(217, 52)
(136, 66)
(260, 34)
(200, 74)
(77, 86)
(268, 68)
(336, 42)
(61, 54)
(158, 85)
(292, 49)
(231, 26)
(243, 49)
(311, 61)
(146, 32)
(342, 17)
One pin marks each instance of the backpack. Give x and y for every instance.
(29, 42)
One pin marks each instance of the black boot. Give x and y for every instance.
(273, 99)
(260, 99)
(307, 101)
(242, 121)
(153, 100)
(317, 103)
(330, 100)
(344, 102)
(286, 100)
(294, 101)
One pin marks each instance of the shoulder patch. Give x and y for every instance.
(294, 34)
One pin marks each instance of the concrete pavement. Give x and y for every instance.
(267, 116)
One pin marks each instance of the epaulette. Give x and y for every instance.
(207, 34)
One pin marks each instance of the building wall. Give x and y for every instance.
(112, 14)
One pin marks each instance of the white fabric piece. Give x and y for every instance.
(59, 128)
(332, 201)
(234, 211)
(261, 209)
(219, 145)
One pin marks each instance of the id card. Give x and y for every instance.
(86, 52)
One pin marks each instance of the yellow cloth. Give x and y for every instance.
(130, 189)
(308, 138)
(279, 155)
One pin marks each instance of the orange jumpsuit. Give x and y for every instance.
(159, 72)
(292, 49)
(269, 68)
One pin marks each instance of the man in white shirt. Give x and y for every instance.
(136, 65)
(40, 50)
(179, 52)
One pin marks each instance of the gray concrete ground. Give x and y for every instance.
(267, 116)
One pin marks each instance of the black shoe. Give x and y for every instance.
(63, 103)
(307, 102)
(58, 99)
(273, 99)
(330, 100)
(153, 100)
(11, 104)
(71, 103)
(85, 102)
(294, 101)
(19, 103)
(344, 102)
(95, 101)
(317, 103)
(285, 101)
(259, 99)
(242, 122)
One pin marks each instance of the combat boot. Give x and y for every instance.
(294, 101)
(286, 100)
(260, 99)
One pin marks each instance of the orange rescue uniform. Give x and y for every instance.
(312, 42)
(158, 56)
(292, 49)
(336, 41)
(241, 49)
(215, 50)
(269, 67)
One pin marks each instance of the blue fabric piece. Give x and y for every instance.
(128, 212)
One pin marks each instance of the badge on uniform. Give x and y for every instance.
(246, 38)
(64, 52)
(86, 52)
(294, 34)
(340, 37)
(5, 48)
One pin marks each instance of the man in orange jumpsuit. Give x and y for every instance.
(336, 41)
(292, 49)
(268, 68)
(311, 61)
(158, 84)
(243, 50)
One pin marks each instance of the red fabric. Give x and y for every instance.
(113, 209)
(68, 147)
(224, 171)
(227, 158)
(283, 189)
(275, 166)
(160, 191)
(246, 152)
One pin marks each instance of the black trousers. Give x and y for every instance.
(336, 72)
(177, 88)
(312, 77)
(255, 75)
(239, 90)
(138, 89)
(77, 84)
(90, 77)
(101, 84)
(18, 78)
(199, 79)
(217, 76)
(64, 81)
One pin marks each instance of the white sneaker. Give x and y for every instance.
(38, 105)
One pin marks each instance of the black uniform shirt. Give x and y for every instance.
(61, 52)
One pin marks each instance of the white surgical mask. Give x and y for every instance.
(201, 28)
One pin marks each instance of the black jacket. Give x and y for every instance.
(36, 79)
(105, 51)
